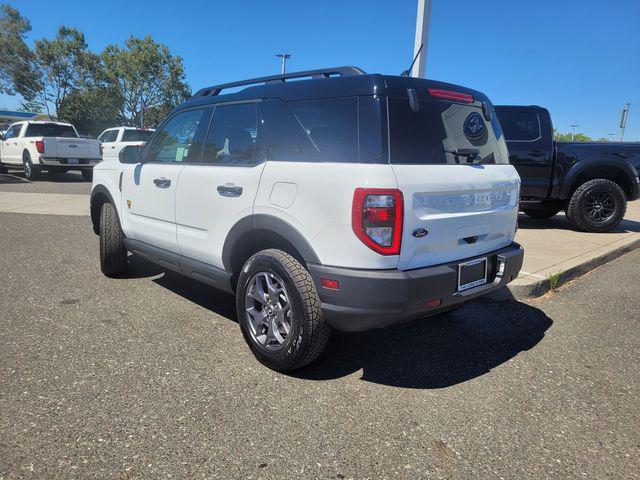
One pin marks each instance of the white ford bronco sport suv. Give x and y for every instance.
(346, 200)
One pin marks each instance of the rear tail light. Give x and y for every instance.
(376, 219)
(451, 95)
(101, 149)
(40, 146)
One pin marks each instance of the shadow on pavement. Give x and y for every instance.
(560, 222)
(18, 177)
(435, 352)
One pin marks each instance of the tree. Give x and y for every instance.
(566, 137)
(92, 111)
(16, 58)
(145, 73)
(63, 66)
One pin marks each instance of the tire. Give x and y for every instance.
(271, 343)
(113, 255)
(596, 206)
(87, 175)
(31, 172)
(541, 213)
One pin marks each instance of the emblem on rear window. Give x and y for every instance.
(473, 127)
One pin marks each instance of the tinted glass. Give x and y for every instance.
(12, 132)
(286, 140)
(232, 135)
(331, 125)
(136, 135)
(523, 126)
(173, 140)
(50, 130)
(438, 130)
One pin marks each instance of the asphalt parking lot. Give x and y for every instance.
(148, 376)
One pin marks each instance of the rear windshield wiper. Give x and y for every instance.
(471, 154)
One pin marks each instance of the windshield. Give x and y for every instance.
(136, 135)
(443, 133)
(50, 130)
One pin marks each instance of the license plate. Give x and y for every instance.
(73, 161)
(472, 274)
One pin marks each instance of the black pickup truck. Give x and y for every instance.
(590, 181)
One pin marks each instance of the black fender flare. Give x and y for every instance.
(608, 161)
(97, 191)
(268, 223)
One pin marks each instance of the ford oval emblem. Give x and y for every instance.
(420, 232)
(473, 127)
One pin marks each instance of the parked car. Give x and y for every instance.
(346, 200)
(55, 147)
(112, 140)
(590, 181)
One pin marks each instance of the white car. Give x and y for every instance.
(56, 147)
(347, 200)
(113, 140)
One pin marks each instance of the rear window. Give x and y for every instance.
(136, 135)
(522, 126)
(50, 130)
(440, 132)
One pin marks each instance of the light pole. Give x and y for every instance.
(611, 135)
(423, 17)
(573, 130)
(623, 120)
(284, 57)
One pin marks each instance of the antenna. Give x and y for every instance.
(407, 72)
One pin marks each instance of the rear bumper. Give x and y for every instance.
(64, 162)
(370, 299)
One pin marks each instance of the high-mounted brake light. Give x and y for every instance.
(376, 219)
(40, 146)
(450, 95)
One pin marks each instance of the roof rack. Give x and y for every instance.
(320, 73)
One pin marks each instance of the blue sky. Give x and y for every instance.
(580, 59)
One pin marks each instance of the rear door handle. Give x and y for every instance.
(162, 182)
(229, 190)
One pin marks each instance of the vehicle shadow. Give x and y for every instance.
(18, 177)
(560, 222)
(435, 352)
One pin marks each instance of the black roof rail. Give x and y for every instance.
(323, 72)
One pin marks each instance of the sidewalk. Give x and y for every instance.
(44, 203)
(552, 248)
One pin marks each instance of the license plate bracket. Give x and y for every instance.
(472, 273)
(73, 161)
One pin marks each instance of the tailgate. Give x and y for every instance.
(72, 147)
(460, 193)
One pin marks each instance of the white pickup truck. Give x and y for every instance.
(54, 147)
(112, 140)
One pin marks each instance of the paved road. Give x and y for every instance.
(70, 183)
(148, 376)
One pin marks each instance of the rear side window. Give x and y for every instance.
(135, 136)
(520, 126)
(438, 131)
(50, 130)
(331, 125)
(232, 135)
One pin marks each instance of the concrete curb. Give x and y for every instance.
(541, 287)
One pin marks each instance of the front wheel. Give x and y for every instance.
(113, 255)
(279, 311)
(597, 206)
(31, 171)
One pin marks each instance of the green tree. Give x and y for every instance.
(64, 66)
(145, 73)
(566, 137)
(92, 110)
(16, 58)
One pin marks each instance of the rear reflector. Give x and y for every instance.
(330, 284)
(450, 95)
(436, 302)
(40, 146)
(376, 219)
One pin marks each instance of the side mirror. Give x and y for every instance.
(130, 154)
(1, 136)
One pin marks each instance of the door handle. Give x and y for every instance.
(162, 182)
(229, 190)
(537, 153)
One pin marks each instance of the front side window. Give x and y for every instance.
(520, 126)
(232, 136)
(173, 141)
(12, 132)
(332, 126)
